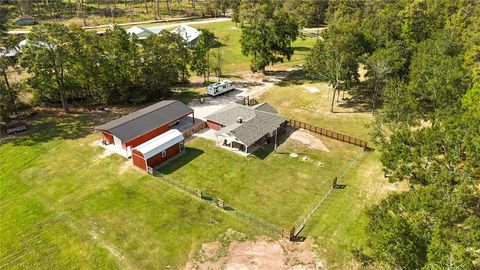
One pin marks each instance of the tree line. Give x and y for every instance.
(70, 64)
(422, 60)
(149, 9)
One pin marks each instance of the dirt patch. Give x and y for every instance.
(127, 165)
(260, 254)
(305, 137)
(106, 152)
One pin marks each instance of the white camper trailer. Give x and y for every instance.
(220, 88)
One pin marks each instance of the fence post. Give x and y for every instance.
(220, 203)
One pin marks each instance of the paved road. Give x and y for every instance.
(158, 29)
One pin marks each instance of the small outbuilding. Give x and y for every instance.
(154, 152)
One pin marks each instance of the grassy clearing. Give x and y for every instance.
(338, 225)
(235, 62)
(296, 98)
(65, 206)
(272, 186)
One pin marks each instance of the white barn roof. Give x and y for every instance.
(188, 33)
(140, 32)
(160, 143)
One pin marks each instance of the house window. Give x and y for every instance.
(164, 153)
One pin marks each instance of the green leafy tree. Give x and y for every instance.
(200, 62)
(47, 57)
(120, 68)
(327, 63)
(334, 59)
(168, 51)
(268, 35)
(382, 65)
(437, 78)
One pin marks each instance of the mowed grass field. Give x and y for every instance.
(65, 206)
(270, 185)
(235, 62)
(338, 225)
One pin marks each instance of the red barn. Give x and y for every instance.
(152, 153)
(143, 125)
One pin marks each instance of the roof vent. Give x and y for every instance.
(239, 120)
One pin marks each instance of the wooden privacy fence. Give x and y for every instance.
(328, 133)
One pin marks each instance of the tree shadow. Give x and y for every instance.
(360, 99)
(183, 159)
(46, 126)
(302, 49)
(187, 96)
(296, 77)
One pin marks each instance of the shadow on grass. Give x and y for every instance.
(266, 150)
(302, 49)
(361, 99)
(47, 126)
(189, 155)
(296, 77)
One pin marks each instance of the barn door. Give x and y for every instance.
(117, 141)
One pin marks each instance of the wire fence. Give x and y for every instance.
(217, 202)
(256, 221)
(300, 224)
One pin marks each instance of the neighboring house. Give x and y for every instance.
(142, 126)
(140, 32)
(152, 153)
(189, 34)
(245, 129)
(23, 21)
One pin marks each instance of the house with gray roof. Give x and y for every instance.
(244, 129)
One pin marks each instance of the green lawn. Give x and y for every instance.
(235, 62)
(338, 225)
(272, 186)
(63, 206)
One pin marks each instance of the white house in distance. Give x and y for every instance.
(188, 33)
(140, 32)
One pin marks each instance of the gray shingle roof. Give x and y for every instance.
(147, 119)
(256, 123)
(265, 107)
(231, 113)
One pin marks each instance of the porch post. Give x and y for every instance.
(246, 149)
(275, 145)
(193, 117)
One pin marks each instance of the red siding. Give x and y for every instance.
(158, 159)
(213, 125)
(107, 137)
(147, 136)
(138, 160)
